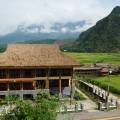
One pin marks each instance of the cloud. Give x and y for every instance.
(81, 29)
(16, 12)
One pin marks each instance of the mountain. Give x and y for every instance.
(69, 30)
(103, 37)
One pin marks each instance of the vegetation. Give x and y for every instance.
(78, 96)
(46, 41)
(90, 95)
(42, 109)
(2, 47)
(112, 80)
(103, 37)
(91, 58)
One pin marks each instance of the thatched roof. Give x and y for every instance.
(35, 55)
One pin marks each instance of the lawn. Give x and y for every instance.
(88, 58)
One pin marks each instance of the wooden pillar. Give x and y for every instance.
(33, 73)
(34, 85)
(21, 73)
(60, 91)
(47, 84)
(7, 74)
(8, 88)
(60, 86)
(47, 80)
(21, 93)
(71, 83)
(72, 77)
(21, 86)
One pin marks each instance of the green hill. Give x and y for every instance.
(103, 37)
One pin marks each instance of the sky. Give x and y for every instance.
(17, 12)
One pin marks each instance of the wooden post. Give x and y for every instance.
(47, 84)
(8, 88)
(21, 86)
(60, 85)
(21, 73)
(71, 80)
(60, 91)
(33, 73)
(47, 80)
(34, 85)
(7, 73)
(71, 86)
(21, 94)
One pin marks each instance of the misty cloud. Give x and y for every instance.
(17, 12)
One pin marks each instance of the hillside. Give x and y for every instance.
(103, 37)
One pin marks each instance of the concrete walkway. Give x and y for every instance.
(89, 105)
(99, 115)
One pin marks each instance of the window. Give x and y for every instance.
(27, 73)
(3, 73)
(3, 86)
(65, 72)
(40, 84)
(14, 86)
(54, 72)
(41, 72)
(28, 86)
(14, 73)
(65, 83)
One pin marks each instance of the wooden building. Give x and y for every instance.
(96, 71)
(25, 69)
(87, 70)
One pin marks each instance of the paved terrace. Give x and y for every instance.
(99, 115)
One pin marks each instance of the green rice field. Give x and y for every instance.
(112, 80)
(89, 58)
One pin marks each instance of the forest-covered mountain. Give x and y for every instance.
(103, 37)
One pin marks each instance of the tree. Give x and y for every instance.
(42, 109)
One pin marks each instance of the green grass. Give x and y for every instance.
(78, 96)
(112, 80)
(88, 58)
